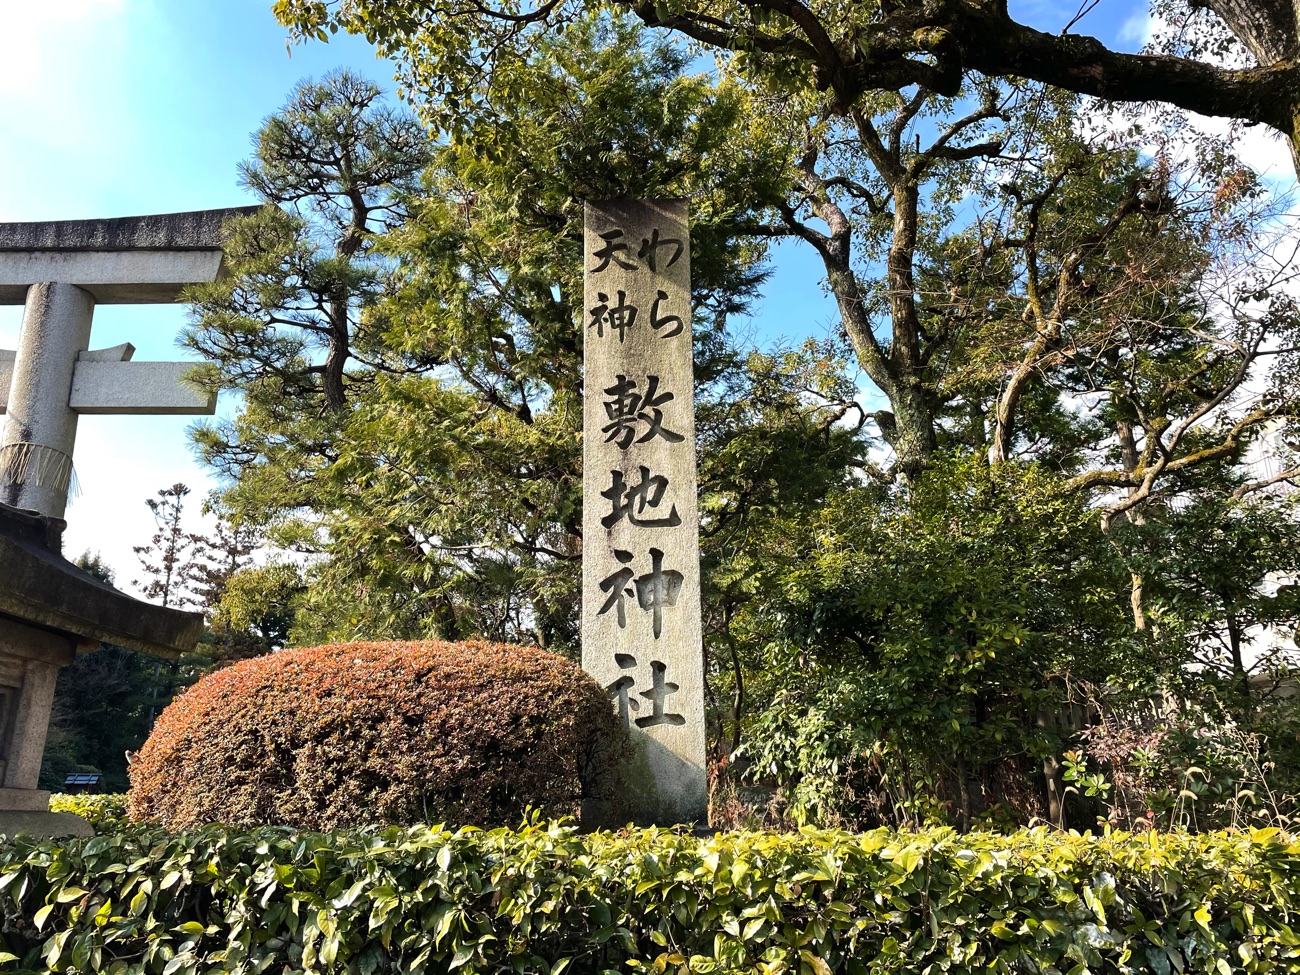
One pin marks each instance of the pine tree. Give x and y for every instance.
(169, 569)
(167, 559)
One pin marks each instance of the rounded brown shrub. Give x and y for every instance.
(360, 733)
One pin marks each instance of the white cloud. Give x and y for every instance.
(1138, 29)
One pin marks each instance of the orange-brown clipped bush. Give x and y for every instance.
(324, 737)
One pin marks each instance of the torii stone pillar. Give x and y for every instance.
(59, 271)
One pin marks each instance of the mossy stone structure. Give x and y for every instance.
(49, 612)
(49, 609)
(641, 635)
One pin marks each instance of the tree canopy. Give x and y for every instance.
(997, 502)
(851, 49)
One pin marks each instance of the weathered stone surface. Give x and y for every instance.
(139, 388)
(49, 611)
(37, 800)
(117, 353)
(110, 277)
(641, 577)
(23, 738)
(59, 270)
(43, 825)
(133, 260)
(40, 429)
(188, 230)
(107, 381)
(45, 589)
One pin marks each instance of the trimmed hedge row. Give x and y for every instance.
(547, 899)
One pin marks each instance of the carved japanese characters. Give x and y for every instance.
(641, 575)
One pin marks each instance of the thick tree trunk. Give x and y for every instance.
(1240, 675)
(337, 356)
(1271, 31)
(956, 36)
(1267, 27)
(1054, 780)
(913, 412)
(914, 439)
(909, 429)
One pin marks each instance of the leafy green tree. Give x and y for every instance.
(446, 498)
(284, 326)
(876, 182)
(256, 610)
(1073, 340)
(1223, 577)
(170, 571)
(221, 554)
(1233, 58)
(246, 607)
(926, 645)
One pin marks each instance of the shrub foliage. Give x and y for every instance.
(105, 812)
(378, 733)
(545, 898)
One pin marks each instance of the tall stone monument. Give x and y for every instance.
(59, 271)
(640, 557)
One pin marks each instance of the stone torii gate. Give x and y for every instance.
(59, 271)
(49, 610)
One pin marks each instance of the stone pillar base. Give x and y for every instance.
(43, 825)
(24, 800)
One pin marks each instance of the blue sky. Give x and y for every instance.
(116, 107)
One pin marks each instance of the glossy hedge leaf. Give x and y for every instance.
(547, 898)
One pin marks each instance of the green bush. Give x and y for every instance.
(104, 812)
(546, 898)
(378, 733)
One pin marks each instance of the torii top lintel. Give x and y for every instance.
(119, 260)
(59, 271)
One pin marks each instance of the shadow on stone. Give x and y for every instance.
(633, 791)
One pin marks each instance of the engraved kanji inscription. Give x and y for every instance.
(612, 250)
(621, 689)
(641, 618)
(673, 323)
(631, 500)
(658, 589)
(629, 410)
(618, 588)
(619, 317)
(650, 250)
(655, 590)
(660, 688)
(620, 692)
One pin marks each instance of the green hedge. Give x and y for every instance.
(545, 898)
(104, 812)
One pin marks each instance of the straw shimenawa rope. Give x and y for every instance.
(25, 462)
